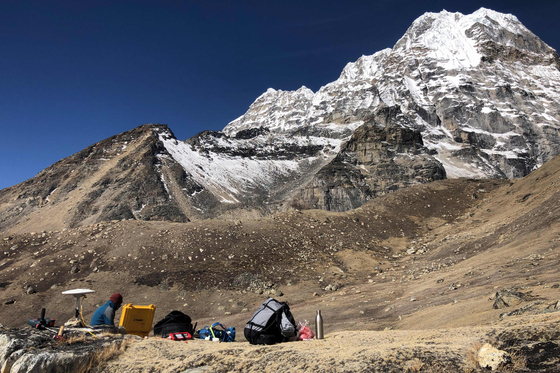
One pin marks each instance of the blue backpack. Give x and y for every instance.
(223, 334)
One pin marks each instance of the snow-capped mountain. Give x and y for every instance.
(457, 96)
(481, 88)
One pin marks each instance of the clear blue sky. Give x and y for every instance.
(78, 71)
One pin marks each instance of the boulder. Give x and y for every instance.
(507, 298)
(35, 351)
(490, 357)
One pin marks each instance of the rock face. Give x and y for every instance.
(458, 95)
(33, 351)
(376, 160)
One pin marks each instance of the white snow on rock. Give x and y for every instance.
(229, 177)
(439, 66)
(482, 89)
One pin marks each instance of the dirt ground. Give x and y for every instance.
(435, 350)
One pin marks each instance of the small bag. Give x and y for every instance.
(183, 336)
(223, 335)
(304, 332)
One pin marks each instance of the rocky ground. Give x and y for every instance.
(436, 350)
(419, 264)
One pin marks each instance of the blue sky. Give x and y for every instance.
(75, 72)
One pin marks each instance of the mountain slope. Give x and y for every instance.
(442, 243)
(115, 179)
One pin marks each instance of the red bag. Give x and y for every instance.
(182, 336)
(304, 332)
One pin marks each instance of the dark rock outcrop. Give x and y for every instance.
(375, 161)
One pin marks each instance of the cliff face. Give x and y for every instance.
(376, 160)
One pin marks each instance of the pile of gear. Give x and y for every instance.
(271, 323)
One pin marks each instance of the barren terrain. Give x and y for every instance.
(435, 350)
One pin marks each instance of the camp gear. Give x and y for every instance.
(174, 322)
(182, 336)
(271, 323)
(137, 320)
(304, 331)
(319, 326)
(79, 294)
(41, 322)
(214, 333)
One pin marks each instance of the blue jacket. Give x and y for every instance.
(104, 315)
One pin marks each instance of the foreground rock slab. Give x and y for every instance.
(35, 351)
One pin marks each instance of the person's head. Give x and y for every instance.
(117, 299)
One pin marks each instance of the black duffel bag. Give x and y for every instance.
(174, 322)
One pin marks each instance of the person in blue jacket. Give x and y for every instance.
(105, 315)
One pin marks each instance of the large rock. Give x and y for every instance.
(490, 357)
(35, 351)
(507, 298)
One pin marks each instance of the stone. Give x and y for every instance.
(554, 306)
(490, 357)
(31, 350)
(507, 298)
